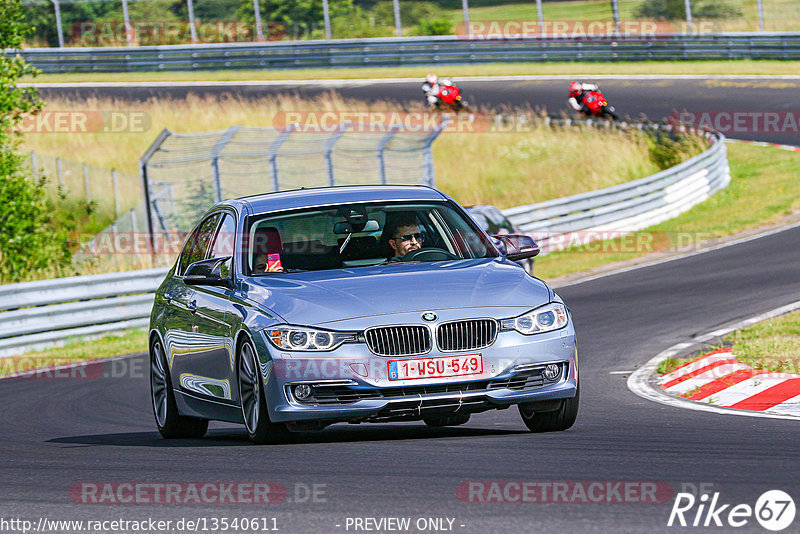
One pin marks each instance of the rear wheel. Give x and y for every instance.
(447, 420)
(171, 424)
(546, 417)
(254, 405)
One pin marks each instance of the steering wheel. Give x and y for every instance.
(429, 254)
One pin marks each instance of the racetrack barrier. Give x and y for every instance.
(410, 51)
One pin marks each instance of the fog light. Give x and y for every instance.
(302, 391)
(552, 371)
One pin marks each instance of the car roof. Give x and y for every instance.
(325, 196)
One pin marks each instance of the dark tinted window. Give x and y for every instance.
(197, 244)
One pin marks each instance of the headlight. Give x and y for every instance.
(550, 317)
(302, 338)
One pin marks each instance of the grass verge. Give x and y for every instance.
(773, 345)
(763, 188)
(736, 67)
(126, 342)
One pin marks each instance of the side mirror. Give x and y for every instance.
(517, 247)
(207, 273)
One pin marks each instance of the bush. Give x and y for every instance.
(29, 238)
(676, 10)
(668, 150)
(434, 27)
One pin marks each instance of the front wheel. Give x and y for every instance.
(560, 418)
(171, 424)
(254, 405)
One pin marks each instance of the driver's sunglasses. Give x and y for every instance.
(409, 237)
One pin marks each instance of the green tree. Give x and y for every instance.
(676, 10)
(29, 240)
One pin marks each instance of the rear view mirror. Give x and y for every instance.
(345, 227)
(518, 247)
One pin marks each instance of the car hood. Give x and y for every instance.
(318, 297)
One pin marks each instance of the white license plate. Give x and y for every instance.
(436, 367)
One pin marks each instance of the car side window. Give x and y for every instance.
(224, 243)
(197, 244)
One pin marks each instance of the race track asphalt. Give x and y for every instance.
(59, 432)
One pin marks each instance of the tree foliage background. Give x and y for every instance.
(30, 239)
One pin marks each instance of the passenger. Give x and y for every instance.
(268, 263)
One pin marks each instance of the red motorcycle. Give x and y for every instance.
(597, 106)
(450, 98)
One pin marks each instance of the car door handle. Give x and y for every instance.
(192, 305)
(168, 297)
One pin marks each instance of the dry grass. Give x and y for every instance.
(504, 169)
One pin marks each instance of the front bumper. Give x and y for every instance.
(350, 386)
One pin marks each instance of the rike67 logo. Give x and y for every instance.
(774, 510)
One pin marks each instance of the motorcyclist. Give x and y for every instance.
(431, 88)
(577, 91)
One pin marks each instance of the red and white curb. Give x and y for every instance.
(717, 378)
(749, 396)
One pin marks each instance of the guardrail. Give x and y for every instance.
(630, 206)
(393, 52)
(37, 315)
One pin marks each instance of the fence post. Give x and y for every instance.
(385, 140)
(127, 21)
(615, 14)
(190, 6)
(465, 8)
(86, 183)
(33, 164)
(689, 15)
(116, 196)
(760, 15)
(215, 152)
(273, 155)
(428, 173)
(326, 15)
(540, 16)
(59, 27)
(59, 174)
(329, 150)
(259, 27)
(398, 24)
(148, 209)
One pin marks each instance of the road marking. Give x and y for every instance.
(620, 372)
(639, 381)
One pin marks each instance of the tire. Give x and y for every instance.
(556, 420)
(446, 420)
(171, 424)
(253, 400)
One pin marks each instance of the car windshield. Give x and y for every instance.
(358, 235)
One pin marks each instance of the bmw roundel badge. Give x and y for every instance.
(429, 316)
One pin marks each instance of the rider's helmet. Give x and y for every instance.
(432, 78)
(574, 89)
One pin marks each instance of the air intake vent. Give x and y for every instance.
(398, 340)
(466, 335)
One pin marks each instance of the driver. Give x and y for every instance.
(404, 235)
